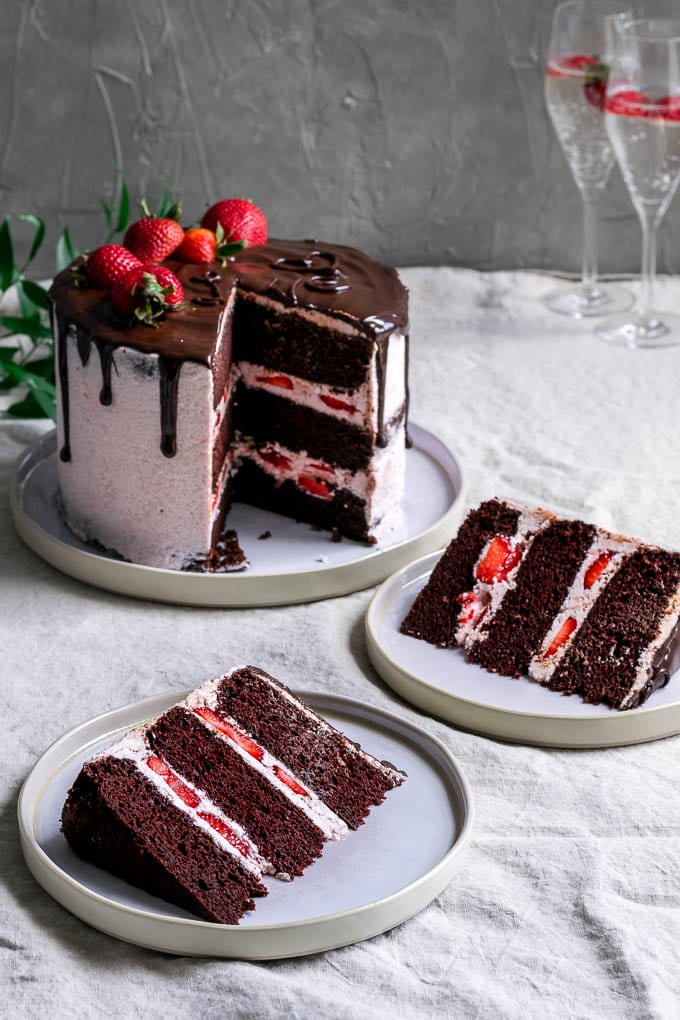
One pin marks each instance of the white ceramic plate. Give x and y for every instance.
(296, 564)
(444, 683)
(390, 868)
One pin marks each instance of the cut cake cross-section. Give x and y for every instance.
(239, 780)
(575, 607)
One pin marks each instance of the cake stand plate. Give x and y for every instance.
(443, 683)
(296, 564)
(406, 853)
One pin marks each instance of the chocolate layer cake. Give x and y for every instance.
(574, 607)
(281, 381)
(239, 780)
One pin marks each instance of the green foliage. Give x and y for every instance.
(30, 362)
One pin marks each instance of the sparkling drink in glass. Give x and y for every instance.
(575, 88)
(642, 114)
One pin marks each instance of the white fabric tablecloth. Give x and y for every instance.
(569, 901)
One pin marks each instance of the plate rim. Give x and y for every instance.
(235, 589)
(511, 725)
(51, 762)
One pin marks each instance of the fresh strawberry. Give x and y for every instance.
(565, 631)
(315, 487)
(338, 405)
(154, 238)
(628, 103)
(198, 245)
(226, 832)
(184, 792)
(498, 561)
(109, 263)
(244, 741)
(570, 65)
(319, 466)
(282, 381)
(595, 85)
(290, 782)
(669, 107)
(468, 605)
(243, 223)
(596, 568)
(276, 459)
(146, 293)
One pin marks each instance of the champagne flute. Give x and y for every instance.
(575, 87)
(642, 113)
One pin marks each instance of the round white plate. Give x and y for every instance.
(444, 683)
(296, 564)
(390, 868)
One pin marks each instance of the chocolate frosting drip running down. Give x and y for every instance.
(334, 280)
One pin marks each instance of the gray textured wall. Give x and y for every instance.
(414, 130)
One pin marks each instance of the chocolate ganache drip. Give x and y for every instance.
(169, 372)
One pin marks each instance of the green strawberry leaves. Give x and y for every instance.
(226, 248)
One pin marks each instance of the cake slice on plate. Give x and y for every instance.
(575, 607)
(239, 780)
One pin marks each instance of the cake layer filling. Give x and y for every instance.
(366, 403)
(347, 778)
(599, 566)
(227, 833)
(495, 574)
(316, 477)
(372, 490)
(270, 418)
(203, 703)
(625, 647)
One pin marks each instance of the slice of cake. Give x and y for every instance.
(239, 780)
(576, 608)
(281, 379)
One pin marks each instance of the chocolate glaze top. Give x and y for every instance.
(333, 279)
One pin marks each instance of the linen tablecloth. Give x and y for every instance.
(569, 901)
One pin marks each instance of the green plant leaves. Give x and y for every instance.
(23, 326)
(35, 293)
(123, 209)
(7, 267)
(41, 389)
(65, 250)
(38, 237)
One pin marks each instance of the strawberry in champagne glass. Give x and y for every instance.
(642, 115)
(575, 88)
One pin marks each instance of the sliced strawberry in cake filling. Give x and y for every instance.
(603, 559)
(495, 573)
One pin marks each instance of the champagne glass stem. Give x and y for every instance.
(649, 220)
(589, 271)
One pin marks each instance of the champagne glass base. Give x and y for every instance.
(661, 329)
(585, 302)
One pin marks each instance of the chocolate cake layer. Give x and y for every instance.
(111, 818)
(266, 418)
(299, 346)
(344, 511)
(283, 833)
(605, 657)
(525, 614)
(434, 614)
(348, 781)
